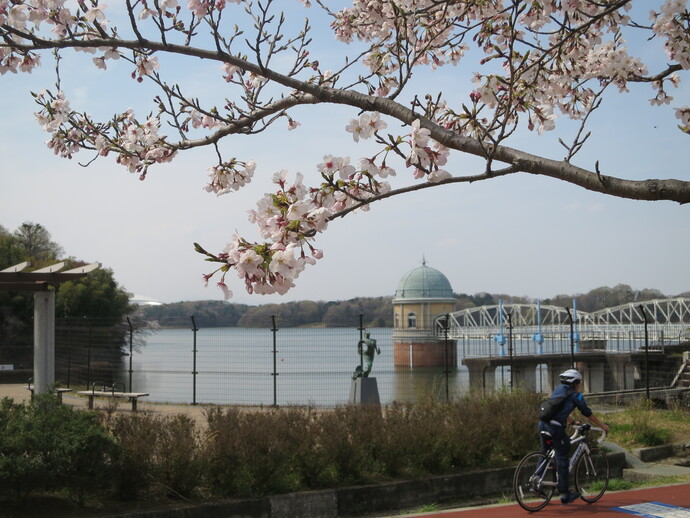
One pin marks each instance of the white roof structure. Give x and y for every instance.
(141, 300)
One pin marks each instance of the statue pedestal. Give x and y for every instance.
(365, 391)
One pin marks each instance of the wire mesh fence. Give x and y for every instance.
(272, 363)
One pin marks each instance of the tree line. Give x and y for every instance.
(375, 311)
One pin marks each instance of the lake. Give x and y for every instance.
(312, 366)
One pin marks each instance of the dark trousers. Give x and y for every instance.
(561, 446)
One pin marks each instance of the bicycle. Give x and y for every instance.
(536, 476)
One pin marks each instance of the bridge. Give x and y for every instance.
(609, 345)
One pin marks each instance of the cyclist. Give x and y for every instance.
(570, 388)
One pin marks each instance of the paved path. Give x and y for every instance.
(658, 502)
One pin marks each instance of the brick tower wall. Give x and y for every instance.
(424, 354)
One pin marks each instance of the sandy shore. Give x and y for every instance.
(19, 393)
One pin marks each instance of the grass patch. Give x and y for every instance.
(641, 425)
(429, 508)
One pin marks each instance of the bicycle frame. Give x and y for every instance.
(582, 447)
(544, 479)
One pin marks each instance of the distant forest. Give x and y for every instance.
(375, 311)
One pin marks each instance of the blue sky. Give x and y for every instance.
(520, 235)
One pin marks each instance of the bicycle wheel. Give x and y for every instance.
(534, 481)
(592, 475)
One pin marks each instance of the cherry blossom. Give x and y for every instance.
(226, 177)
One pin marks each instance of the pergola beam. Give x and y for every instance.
(15, 279)
(23, 286)
(16, 268)
(33, 277)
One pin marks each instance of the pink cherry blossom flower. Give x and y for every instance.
(95, 14)
(439, 175)
(249, 263)
(199, 7)
(282, 263)
(329, 165)
(420, 136)
(386, 171)
(229, 71)
(146, 66)
(227, 293)
(355, 127)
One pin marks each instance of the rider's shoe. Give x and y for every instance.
(569, 497)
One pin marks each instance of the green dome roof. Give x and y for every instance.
(424, 282)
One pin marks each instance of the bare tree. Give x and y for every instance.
(533, 61)
(36, 243)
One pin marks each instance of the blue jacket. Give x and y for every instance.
(575, 400)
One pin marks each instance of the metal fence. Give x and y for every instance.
(274, 364)
(271, 364)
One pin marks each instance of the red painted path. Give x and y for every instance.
(637, 503)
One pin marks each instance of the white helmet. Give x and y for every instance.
(571, 377)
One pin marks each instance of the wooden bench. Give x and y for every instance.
(58, 391)
(111, 392)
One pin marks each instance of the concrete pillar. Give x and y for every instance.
(553, 371)
(482, 377)
(525, 377)
(44, 341)
(622, 372)
(593, 377)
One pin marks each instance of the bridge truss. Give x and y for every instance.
(544, 329)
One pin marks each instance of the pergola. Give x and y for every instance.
(40, 281)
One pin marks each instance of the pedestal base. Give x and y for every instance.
(365, 390)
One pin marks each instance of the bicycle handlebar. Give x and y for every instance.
(580, 429)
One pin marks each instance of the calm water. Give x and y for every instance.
(313, 366)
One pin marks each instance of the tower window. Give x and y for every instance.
(411, 320)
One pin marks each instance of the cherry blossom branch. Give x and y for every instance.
(539, 59)
(668, 189)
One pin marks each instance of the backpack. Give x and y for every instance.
(549, 408)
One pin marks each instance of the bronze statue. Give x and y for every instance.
(367, 348)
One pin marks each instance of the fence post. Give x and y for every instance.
(274, 330)
(194, 372)
(572, 338)
(646, 349)
(131, 339)
(88, 355)
(446, 324)
(510, 346)
(69, 351)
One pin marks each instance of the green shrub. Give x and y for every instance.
(179, 466)
(253, 452)
(394, 443)
(158, 454)
(137, 436)
(50, 446)
(348, 439)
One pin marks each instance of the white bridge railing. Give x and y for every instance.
(521, 329)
